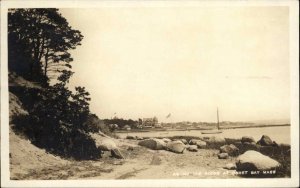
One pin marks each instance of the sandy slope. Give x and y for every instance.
(25, 157)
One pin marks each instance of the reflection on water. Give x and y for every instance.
(279, 134)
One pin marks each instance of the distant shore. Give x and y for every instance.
(200, 129)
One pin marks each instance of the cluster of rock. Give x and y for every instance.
(250, 160)
(176, 146)
(179, 145)
(248, 156)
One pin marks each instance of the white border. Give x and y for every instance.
(294, 73)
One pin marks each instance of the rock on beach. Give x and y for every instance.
(253, 160)
(153, 143)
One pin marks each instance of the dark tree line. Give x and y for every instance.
(59, 119)
(121, 122)
(38, 43)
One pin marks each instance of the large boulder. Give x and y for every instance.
(249, 139)
(192, 148)
(231, 149)
(116, 153)
(105, 144)
(176, 146)
(265, 141)
(153, 143)
(253, 160)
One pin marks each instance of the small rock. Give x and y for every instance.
(265, 141)
(130, 137)
(192, 148)
(247, 139)
(231, 150)
(139, 138)
(223, 155)
(201, 144)
(193, 141)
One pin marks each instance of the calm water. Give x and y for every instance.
(279, 134)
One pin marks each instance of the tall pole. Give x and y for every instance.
(218, 118)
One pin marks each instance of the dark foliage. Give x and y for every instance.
(58, 118)
(38, 42)
(121, 122)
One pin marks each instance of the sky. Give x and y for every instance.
(142, 62)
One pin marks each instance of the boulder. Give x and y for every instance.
(230, 166)
(201, 144)
(176, 146)
(231, 150)
(153, 143)
(265, 141)
(215, 141)
(105, 144)
(253, 160)
(223, 155)
(116, 153)
(130, 137)
(247, 139)
(192, 148)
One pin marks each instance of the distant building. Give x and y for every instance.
(149, 122)
(127, 127)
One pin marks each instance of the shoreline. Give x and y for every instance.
(200, 129)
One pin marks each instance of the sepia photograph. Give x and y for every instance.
(190, 91)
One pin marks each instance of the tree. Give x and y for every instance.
(43, 36)
(39, 40)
